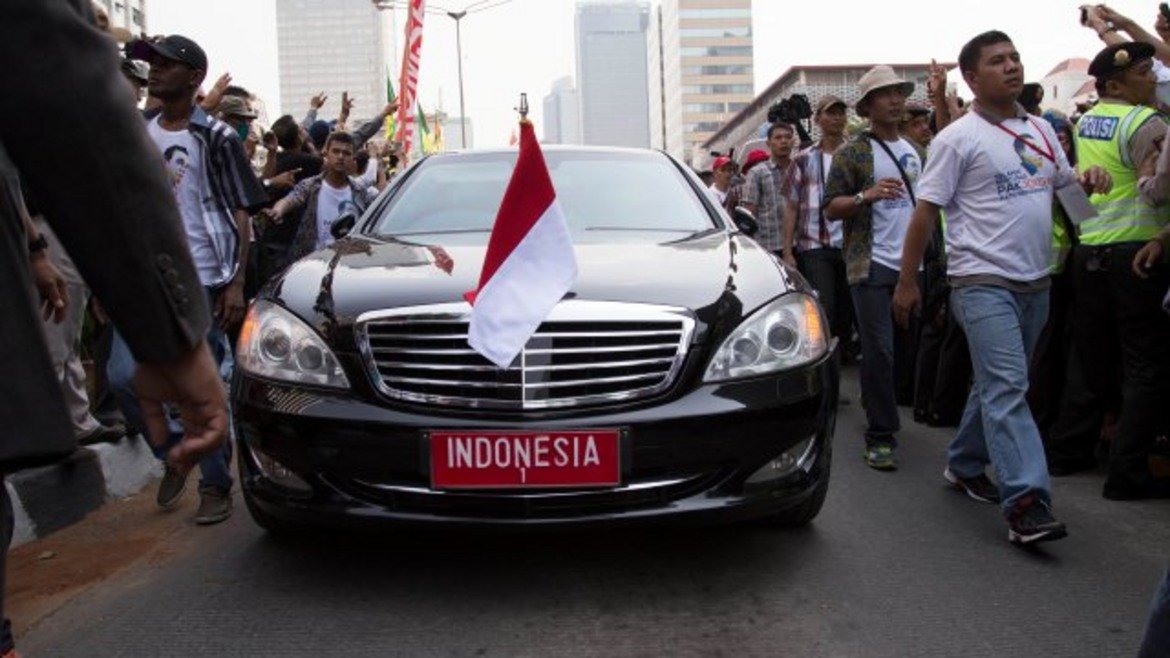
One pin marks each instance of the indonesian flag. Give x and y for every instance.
(529, 264)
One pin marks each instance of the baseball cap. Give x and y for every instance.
(234, 106)
(827, 101)
(174, 47)
(754, 158)
(721, 162)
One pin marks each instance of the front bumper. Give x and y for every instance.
(684, 457)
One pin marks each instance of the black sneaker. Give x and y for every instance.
(979, 487)
(171, 489)
(1029, 521)
(215, 505)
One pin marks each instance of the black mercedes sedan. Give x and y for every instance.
(687, 376)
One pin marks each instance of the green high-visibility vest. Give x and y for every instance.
(1102, 139)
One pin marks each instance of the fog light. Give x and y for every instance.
(278, 473)
(797, 457)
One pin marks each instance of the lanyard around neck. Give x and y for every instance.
(1050, 155)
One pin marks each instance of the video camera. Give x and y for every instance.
(793, 110)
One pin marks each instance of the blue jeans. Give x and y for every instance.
(1002, 328)
(872, 300)
(215, 467)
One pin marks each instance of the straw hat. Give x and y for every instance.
(879, 77)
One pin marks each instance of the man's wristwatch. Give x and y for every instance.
(39, 244)
(859, 199)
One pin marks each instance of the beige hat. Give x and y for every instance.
(879, 77)
(231, 106)
(827, 101)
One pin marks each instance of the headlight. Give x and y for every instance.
(786, 333)
(276, 344)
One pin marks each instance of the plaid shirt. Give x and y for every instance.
(228, 185)
(851, 173)
(764, 189)
(805, 188)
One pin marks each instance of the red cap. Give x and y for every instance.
(754, 158)
(720, 162)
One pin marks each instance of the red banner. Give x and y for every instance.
(408, 83)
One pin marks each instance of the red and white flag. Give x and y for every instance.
(408, 83)
(529, 265)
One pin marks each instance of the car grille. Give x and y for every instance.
(585, 353)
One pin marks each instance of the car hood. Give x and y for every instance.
(712, 274)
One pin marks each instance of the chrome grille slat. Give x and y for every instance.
(445, 382)
(598, 350)
(595, 380)
(584, 353)
(458, 337)
(407, 350)
(590, 366)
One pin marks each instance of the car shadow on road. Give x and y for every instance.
(482, 566)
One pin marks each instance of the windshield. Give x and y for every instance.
(597, 191)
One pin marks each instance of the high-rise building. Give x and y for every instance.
(333, 46)
(611, 73)
(562, 117)
(129, 14)
(654, 77)
(704, 72)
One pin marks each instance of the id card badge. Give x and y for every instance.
(1076, 204)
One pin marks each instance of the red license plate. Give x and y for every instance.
(517, 460)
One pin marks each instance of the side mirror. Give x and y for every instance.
(745, 221)
(343, 225)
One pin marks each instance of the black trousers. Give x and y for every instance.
(1120, 320)
(1047, 375)
(825, 271)
(944, 371)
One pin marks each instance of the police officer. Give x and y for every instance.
(1119, 277)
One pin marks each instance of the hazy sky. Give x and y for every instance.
(527, 44)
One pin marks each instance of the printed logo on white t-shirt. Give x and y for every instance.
(1026, 180)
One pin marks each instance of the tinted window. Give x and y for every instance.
(595, 190)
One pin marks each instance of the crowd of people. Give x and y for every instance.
(252, 201)
(938, 232)
(1000, 269)
(1003, 269)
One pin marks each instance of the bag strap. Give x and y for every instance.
(905, 178)
(823, 230)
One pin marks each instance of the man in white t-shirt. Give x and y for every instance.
(324, 198)
(870, 187)
(215, 190)
(994, 172)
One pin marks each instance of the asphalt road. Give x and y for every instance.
(895, 565)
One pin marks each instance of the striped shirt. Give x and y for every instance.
(228, 185)
(805, 188)
(764, 189)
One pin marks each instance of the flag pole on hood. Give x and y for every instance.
(530, 264)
